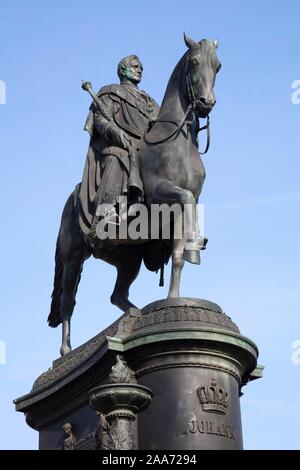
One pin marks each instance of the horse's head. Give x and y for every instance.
(202, 65)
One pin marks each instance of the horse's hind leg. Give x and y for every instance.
(128, 268)
(71, 277)
(71, 252)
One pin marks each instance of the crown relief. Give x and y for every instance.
(213, 398)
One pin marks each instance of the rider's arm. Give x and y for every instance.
(107, 128)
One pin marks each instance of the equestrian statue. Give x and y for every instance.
(146, 156)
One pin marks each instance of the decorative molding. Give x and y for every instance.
(79, 356)
(41, 412)
(51, 375)
(207, 365)
(185, 313)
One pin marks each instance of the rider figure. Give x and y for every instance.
(116, 126)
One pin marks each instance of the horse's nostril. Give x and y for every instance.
(207, 102)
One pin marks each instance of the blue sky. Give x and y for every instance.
(251, 193)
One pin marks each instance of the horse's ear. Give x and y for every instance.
(216, 43)
(189, 42)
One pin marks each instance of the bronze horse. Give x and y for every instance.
(172, 172)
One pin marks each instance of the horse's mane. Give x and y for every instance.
(176, 74)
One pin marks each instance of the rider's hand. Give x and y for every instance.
(119, 138)
(122, 140)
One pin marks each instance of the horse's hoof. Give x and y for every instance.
(192, 256)
(65, 350)
(202, 243)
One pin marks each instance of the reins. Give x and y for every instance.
(207, 126)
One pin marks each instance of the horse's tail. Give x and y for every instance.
(69, 240)
(54, 318)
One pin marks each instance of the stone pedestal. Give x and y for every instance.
(186, 351)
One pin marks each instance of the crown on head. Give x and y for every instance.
(214, 399)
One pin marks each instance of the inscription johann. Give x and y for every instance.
(210, 427)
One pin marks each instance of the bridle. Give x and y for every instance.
(193, 103)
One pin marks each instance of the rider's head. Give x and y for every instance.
(130, 69)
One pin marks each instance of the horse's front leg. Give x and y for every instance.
(191, 233)
(167, 192)
(177, 258)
